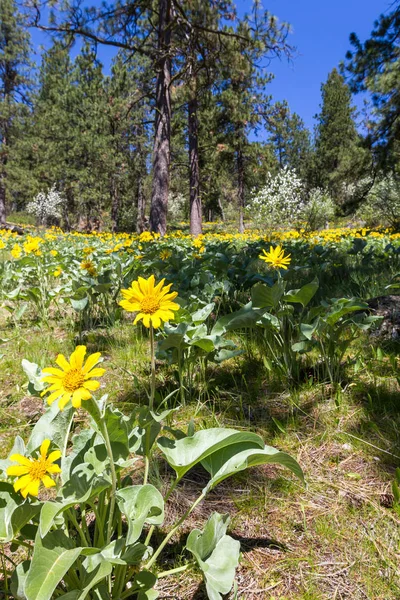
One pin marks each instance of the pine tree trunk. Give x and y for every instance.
(194, 175)
(162, 136)
(114, 204)
(3, 162)
(141, 207)
(2, 199)
(240, 175)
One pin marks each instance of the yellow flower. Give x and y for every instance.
(33, 471)
(153, 303)
(88, 266)
(2, 245)
(57, 272)
(53, 252)
(165, 254)
(276, 257)
(74, 379)
(16, 251)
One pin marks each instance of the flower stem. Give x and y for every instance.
(173, 530)
(153, 369)
(176, 570)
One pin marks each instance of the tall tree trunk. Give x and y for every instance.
(114, 203)
(240, 175)
(162, 135)
(141, 207)
(2, 195)
(194, 175)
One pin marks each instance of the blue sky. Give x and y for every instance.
(320, 32)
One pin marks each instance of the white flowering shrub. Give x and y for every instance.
(280, 202)
(318, 209)
(177, 207)
(46, 206)
(382, 205)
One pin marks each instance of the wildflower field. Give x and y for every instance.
(191, 418)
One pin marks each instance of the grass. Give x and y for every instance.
(337, 538)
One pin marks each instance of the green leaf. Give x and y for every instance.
(231, 460)
(264, 296)
(199, 316)
(96, 569)
(52, 557)
(81, 487)
(217, 555)
(79, 305)
(15, 512)
(308, 330)
(245, 317)
(18, 579)
(304, 294)
(53, 425)
(183, 454)
(34, 374)
(144, 582)
(140, 504)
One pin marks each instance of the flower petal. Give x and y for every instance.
(92, 360)
(76, 358)
(17, 470)
(44, 448)
(48, 481)
(23, 460)
(63, 363)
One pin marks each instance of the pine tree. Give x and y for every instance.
(374, 67)
(338, 155)
(289, 137)
(14, 81)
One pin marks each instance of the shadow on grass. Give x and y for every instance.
(379, 424)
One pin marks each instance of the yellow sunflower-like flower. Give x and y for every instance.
(74, 380)
(153, 303)
(276, 258)
(88, 265)
(33, 471)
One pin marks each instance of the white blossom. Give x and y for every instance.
(280, 201)
(46, 205)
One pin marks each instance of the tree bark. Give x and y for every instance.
(162, 136)
(2, 195)
(141, 207)
(240, 175)
(194, 174)
(114, 204)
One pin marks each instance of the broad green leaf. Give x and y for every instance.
(342, 307)
(225, 463)
(304, 294)
(15, 512)
(217, 555)
(96, 568)
(79, 305)
(18, 579)
(83, 485)
(52, 557)
(205, 344)
(199, 316)
(53, 425)
(307, 330)
(183, 454)
(140, 504)
(264, 296)
(245, 317)
(144, 582)
(34, 374)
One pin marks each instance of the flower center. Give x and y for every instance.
(149, 305)
(73, 380)
(38, 469)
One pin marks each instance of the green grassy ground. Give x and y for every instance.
(337, 538)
